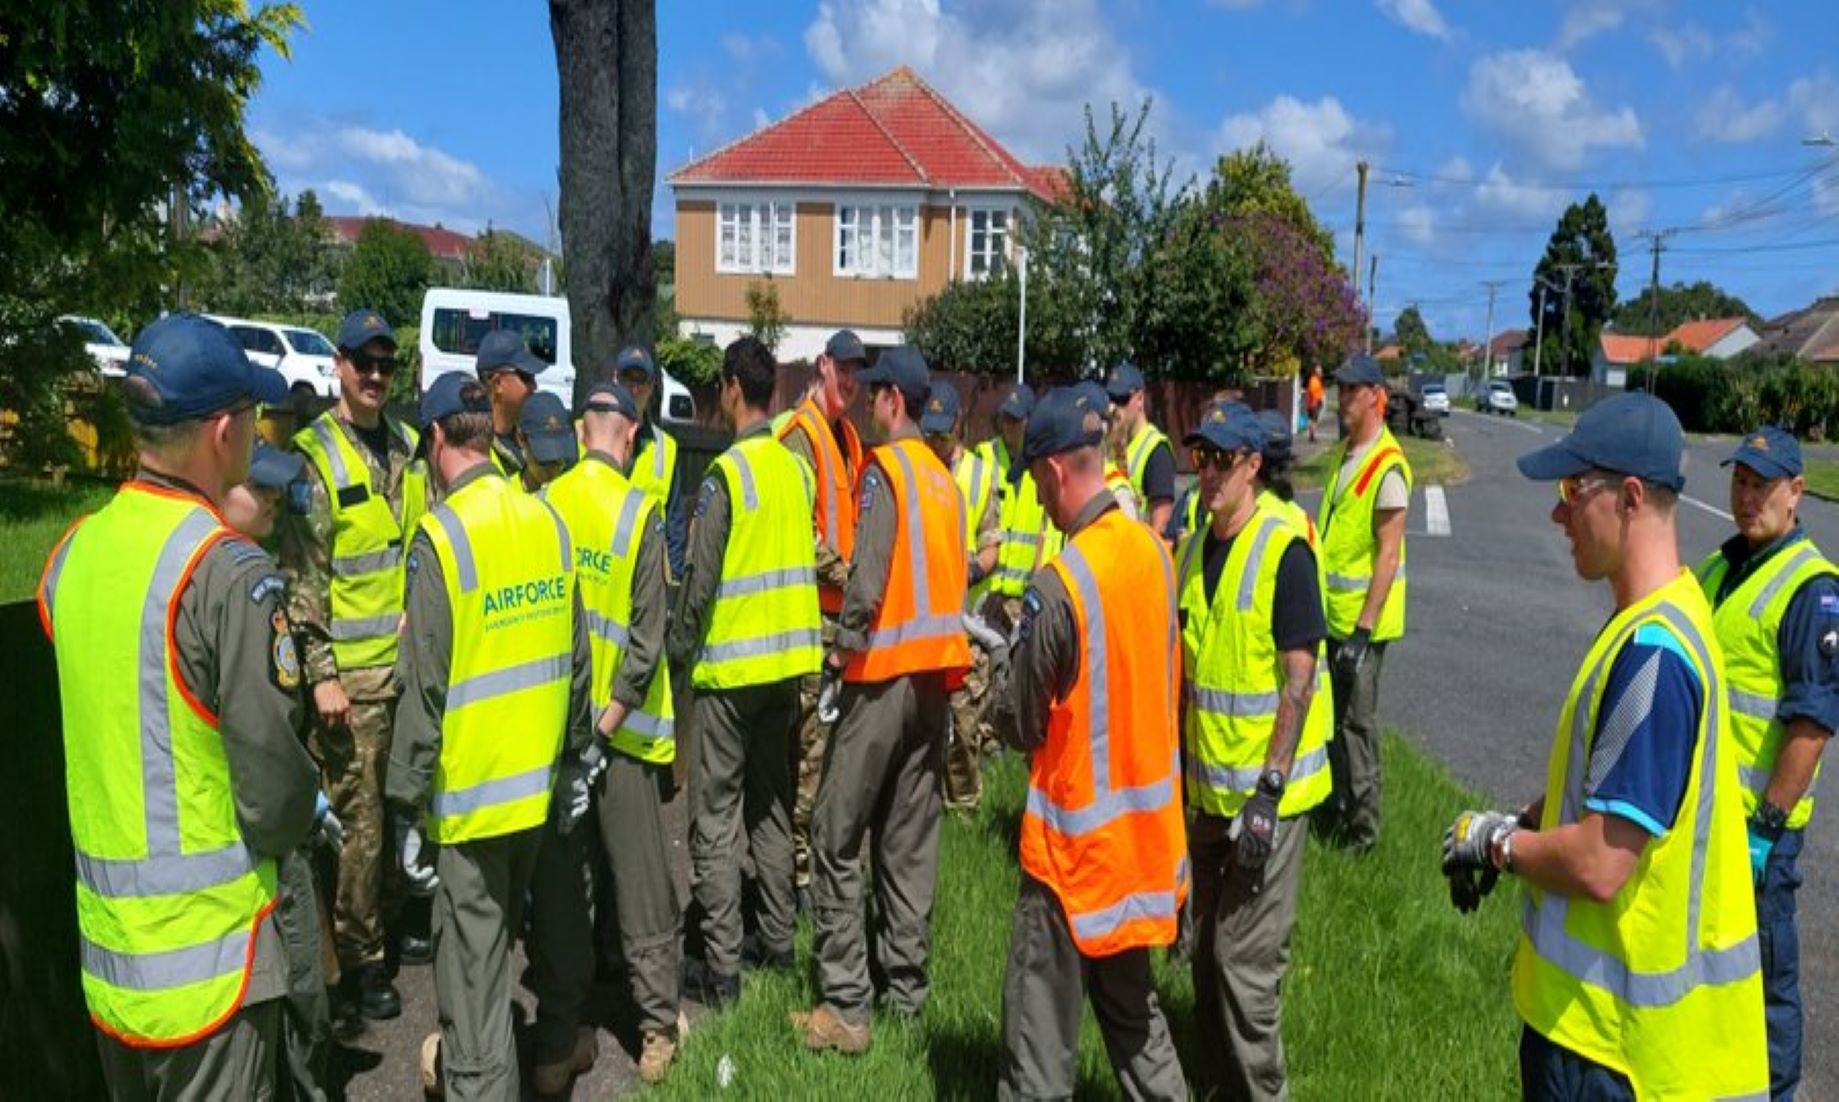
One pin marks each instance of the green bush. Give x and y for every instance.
(1733, 396)
(691, 362)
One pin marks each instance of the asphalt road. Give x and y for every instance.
(1496, 626)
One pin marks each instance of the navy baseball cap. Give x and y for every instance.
(360, 327)
(503, 350)
(547, 428)
(1230, 427)
(454, 392)
(196, 368)
(1094, 396)
(634, 358)
(1061, 422)
(273, 469)
(1018, 403)
(1630, 434)
(1771, 451)
(904, 369)
(1360, 370)
(941, 412)
(611, 396)
(1124, 381)
(844, 345)
(1277, 435)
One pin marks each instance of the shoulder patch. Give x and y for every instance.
(1031, 607)
(1829, 603)
(704, 494)
(414, 561)
(286, 659)
(268, 585)
(1829, 643)
(871, 481)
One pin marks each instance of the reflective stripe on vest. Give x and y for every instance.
(655, 477)
(919, 624)
(1347, 546)
(1102, 825)
(1748, 623)
(365, 595)
(508, 565)
(168, 892)
(838, 463)
(1029, 539)
(763, 625)
(1635, 983)
(1143, 445)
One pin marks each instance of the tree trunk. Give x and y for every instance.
(607, 65)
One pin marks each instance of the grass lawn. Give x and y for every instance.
(1822, 477)
(1562, 417)
(32, 517)
(1431, 461)
(1391, 993)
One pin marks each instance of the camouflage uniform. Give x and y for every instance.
(970, 703)
(352, 758)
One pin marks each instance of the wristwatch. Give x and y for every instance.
(1769, 817)
(1271, 783)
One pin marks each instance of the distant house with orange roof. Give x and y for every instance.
(1717, 338)
(856, 207)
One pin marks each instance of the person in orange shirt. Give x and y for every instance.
(1314, 395)
(900, 650)
(1103, 847)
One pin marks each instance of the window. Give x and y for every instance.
(754, 237)
(877, 241)
(308, 343)
(458, 332)
(987, 244)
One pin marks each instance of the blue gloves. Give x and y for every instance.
(1762, 843)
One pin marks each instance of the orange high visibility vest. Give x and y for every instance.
(920, 624)
(1103, 825)
(836, 486)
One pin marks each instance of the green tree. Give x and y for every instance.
(1411, 332)
(1677, 304)
(1582, 251)
(389, 269)
(766, 319)
(108, 109)
(500, 261)
(266, 261)
(1255, 180)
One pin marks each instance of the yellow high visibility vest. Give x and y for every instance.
(606, 515)
(1029, 539)
(764, 625)
(1348, 547)
(1662, 983)
(977, 479)
(169, 894)
(1747, 624)
(1142, 445)
(367, 541)
(509, 569)
(655, 471)
(1235, 675)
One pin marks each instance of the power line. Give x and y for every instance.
(1597, 185)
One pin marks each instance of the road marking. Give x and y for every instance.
(1436, 511)
(1712, 509)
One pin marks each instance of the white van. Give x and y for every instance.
(454, 321)
(302, 356)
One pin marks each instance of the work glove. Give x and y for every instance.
(327, 830)
(1352, 654)
(1468, 855)
(1467, 888)
(829, 694)
(1762, 843)
(1253, 833)
(575, 790)
(412, 849)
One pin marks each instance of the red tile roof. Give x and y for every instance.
(893, 131)
(1508, 340)
(1624, 348)
(1700, 335)
(443, 243)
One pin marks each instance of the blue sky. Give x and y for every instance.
(1482, 119)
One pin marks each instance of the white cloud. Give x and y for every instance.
(1457, 168)
(1629, 209)
(1688, 42)
(1724, 117)
(423, 175)
(1816, 98)
(703, 105)
(354, 194)
(1502, 193)
(1320, 140)
(761, 120)
(1023, 69)
(1585, 19)
(1421, 16)
(742, 48)
(1417, 224)
(1536, 100)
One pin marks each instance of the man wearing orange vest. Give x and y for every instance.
(900, 650)
(820, 433)
(1103, 849)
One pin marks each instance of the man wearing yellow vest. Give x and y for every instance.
(652, 465)
(187, 780)
(1776, 610)
(977, 479)
(1361, 522)
(507, 369)
(366, 489)
(1637, 971)
(1029, 539)
(1103, 848)
(746, 626)
(1149, 459)
(900, 651)
(496, 678)
(1257, 747)
(819, 432)
(545, 440)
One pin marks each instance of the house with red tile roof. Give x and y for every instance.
(1507, 352)
(855, 208)
(1716, 338)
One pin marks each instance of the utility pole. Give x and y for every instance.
(1570, 270)
(1487, 346)
(1372, 297)
(1656, 241)
(1360, 248)
(1021, 325)
(1539, 328)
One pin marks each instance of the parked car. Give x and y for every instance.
(302, 356)
(1436, 399)
(109, 351)
(1497, 397)
(454, 321)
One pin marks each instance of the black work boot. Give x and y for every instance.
(377, 997)
(415, 949)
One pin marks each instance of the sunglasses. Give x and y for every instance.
(1576, 488)
(1222, 461)
(374, 365)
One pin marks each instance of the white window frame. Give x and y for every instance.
(757, 220)
(893, 232)
(1007, 233)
